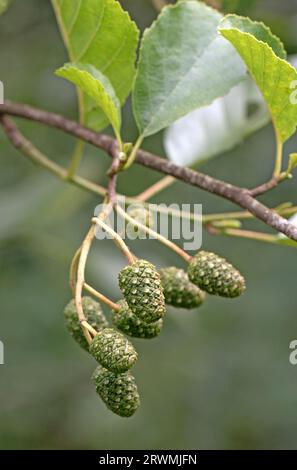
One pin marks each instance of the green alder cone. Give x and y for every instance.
(118, 391)
(113, 351)
(141, 286)
(125, 321)
(215, 275)
(178, 290)
(94, 316)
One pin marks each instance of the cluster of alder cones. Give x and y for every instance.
(140, 314)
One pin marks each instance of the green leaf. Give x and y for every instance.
(265, 58)
(94, 84)
(255, 28)
(184, 64)
(100, 33)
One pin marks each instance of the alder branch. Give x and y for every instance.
(240, 196)
(26, 147)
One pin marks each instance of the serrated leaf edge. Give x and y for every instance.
(260, 23)
(265, 44)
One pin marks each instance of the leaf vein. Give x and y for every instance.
(117, 52)
(75, 18)
(89, 43)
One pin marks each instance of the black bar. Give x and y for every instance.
(144, 458)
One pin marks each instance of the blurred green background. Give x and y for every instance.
(218, 377)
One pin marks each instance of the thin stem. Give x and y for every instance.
(278, 158)
(101, 297)
(85, 248)
(88, 185)
(155, 235)
(73, 270)
(160, 208)
(89, 328)
(259, 236)
(116, 238)
(113, 175)
(28, 149)
(268, 186)
(79, 261)
(207, 218)
(156, 188)
(76, 158)
(133, 153)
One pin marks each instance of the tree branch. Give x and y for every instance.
(27, 148)
(155, 188)
(240, 196)
(265, 187)
(113, 175)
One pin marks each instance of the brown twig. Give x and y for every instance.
(101, 297)
(89, 328)
(265, 187)
(116, 238)
(240, 196)
(81, 265)
(186, 257)
(29, 150)
(113, 174)
(73, 271)
(26, 147)
(156, 188)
